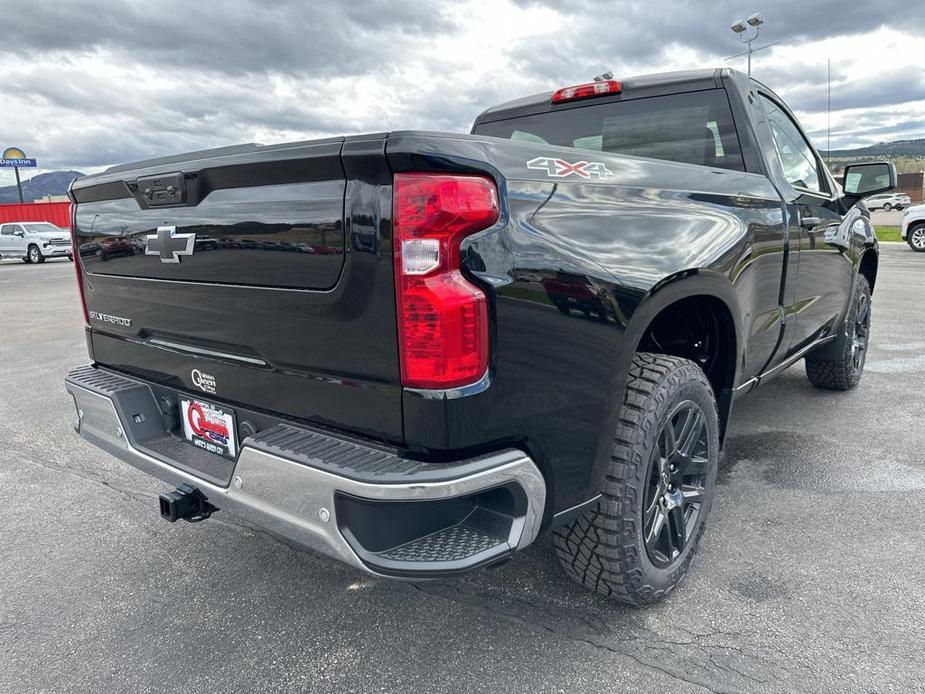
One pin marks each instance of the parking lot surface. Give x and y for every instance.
(893, 218)
(809, 578)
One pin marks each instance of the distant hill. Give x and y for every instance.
(51, 183)
(907, 155)
(899, 149)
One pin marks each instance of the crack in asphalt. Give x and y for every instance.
(83, 475)
(576, 627)
(486, 605)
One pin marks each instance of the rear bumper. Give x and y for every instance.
(361, 504)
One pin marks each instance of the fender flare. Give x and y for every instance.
(685, 285)
(680, 285)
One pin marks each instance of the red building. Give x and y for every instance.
(58, 213)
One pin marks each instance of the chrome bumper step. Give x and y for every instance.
(359, 502)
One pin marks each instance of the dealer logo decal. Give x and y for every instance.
(203, 381)
(559, 168)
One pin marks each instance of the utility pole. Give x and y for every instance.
(18, 184)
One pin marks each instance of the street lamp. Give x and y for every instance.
(747, 30)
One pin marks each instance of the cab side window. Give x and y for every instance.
(800, 165)
(6, 230)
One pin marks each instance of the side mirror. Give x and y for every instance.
(20, 234)
(866, 179)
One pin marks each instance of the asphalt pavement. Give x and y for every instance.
(809, 577)
(891, 218)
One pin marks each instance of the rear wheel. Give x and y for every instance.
(638, 542)
(34, 255)
(845, 372)
(915, 237)
(887, 207)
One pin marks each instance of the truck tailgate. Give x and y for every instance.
(234, 263)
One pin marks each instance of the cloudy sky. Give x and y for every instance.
(88, 84)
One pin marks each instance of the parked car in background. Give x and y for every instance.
(888, 201)
(912, 228)
(34, 241)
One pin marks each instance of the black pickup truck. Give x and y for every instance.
(415, 352)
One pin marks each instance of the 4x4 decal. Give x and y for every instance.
(559, 168)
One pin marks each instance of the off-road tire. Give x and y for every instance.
(918, 232)
(604, 550)
(843, 373)
(34, 255)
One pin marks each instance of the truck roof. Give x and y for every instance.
(633, 88)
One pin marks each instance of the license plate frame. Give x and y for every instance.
(209, 427)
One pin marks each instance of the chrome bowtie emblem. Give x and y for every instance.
(169, 245)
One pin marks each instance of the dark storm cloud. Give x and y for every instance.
(619, 34)
(645, 29)
(891, 88)
(228, 36)
(107, 82)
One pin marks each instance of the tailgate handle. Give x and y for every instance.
(158, 191)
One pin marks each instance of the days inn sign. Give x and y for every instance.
(13, 156)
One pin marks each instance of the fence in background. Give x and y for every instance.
(58, 213)
(913, 185)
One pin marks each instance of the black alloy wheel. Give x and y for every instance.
(861, 332)
(676, 483)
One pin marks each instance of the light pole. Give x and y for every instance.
(747, 30)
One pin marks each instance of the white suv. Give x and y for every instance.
(888, 201)
(34, 241)
(912, 228)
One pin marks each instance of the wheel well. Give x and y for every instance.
(868, 268)
(699, 328)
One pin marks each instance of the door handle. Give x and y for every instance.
(810, 222)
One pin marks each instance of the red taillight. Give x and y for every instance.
(584, 91)
(76, 258)
(442, 317)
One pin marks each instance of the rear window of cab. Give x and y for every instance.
(692, 128)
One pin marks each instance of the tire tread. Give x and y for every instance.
(839, 374)
(600, 549)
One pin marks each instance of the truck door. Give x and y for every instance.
(813, 303)
(6, 233)
(19, 243)
(12, 241)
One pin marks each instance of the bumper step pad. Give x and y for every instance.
(450, 544)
